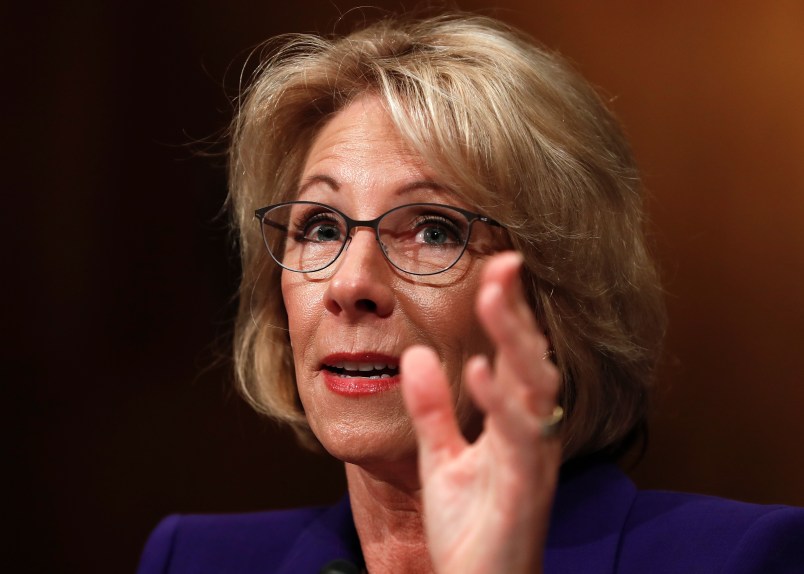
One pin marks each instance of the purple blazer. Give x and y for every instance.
(600, 524)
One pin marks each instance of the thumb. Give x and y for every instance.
(427, 397)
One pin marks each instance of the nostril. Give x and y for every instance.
(366, 305)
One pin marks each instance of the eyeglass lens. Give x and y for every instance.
(419, 238)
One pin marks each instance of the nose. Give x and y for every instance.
(361, 283)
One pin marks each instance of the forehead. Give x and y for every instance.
(362, 127)
(360, 147)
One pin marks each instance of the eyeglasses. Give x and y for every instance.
(419, 238)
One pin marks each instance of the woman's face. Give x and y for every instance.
(352, 321)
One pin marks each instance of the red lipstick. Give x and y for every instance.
(360, 374)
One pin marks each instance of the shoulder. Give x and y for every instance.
(603, 524)
(225, 542)
(695, 533)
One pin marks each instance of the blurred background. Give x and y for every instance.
(120, 272)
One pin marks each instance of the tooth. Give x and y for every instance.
(350, 366)
(338, 365)
(385, 376)
(366, 367)
(379, 366)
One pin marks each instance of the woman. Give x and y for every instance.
(447, 288)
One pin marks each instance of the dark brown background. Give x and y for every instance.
(119, 276)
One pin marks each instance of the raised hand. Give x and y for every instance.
(487, 504)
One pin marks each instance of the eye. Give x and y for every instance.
(320, 227)
(437, 230)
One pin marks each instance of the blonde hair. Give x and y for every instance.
(517, 134)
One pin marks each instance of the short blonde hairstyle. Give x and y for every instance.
(515, 133)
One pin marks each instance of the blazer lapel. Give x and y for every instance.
(331, 535)
(589, 513)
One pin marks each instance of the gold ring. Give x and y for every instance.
(550, 425)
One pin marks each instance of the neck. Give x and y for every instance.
(388, 515)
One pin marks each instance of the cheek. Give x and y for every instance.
(290, 300)
(456, 334)
(459, 310)
(301, 309)
(448, 316)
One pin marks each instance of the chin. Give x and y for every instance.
(367, 442)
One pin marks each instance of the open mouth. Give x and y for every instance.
(363, 370)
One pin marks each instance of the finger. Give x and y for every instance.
(521, 365)
(506, 411)
(505, 271)
(427, 397)
(518, 430)
(492, 399)
(521, 345)
(479, 379)
(501, 287)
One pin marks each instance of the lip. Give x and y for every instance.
(358, 386)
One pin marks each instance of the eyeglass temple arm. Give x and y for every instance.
(260, 214)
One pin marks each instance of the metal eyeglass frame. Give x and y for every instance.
(374, 224)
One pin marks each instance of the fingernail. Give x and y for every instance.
(520, 259)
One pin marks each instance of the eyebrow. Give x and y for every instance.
(335, 186)
(422, 184)
(314, 179)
